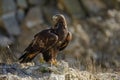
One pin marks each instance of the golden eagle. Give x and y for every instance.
(48, 42)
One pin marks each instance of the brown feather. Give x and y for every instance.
(66, 41)
(42, 42)
(49, 41)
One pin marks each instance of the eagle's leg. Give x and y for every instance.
(53, 60)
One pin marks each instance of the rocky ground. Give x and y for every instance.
(95, 26)
(62, 71)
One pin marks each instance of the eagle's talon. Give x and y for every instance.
(54, 62)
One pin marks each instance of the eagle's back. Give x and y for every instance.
(42, 42)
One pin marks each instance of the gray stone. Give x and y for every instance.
(1, 8)
(36, 2)
(5, 41)
(22, 4)
(93, 6)
(15, 72)
(7, 6)
(34, 17)
(20, 15)
(112, 4)
(72, 7)
(49, 12)
(11, 24)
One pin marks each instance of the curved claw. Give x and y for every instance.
(53, 62)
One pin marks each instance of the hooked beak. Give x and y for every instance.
(54, 18)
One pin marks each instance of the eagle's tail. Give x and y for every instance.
(27, 57)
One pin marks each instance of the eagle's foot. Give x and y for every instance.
(54, 62)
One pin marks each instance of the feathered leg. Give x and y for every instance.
(53, 60)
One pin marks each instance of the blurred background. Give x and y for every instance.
(95, 26)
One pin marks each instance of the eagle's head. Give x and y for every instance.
(59, 19)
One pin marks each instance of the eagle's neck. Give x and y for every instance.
(61, 30)
(61, 24)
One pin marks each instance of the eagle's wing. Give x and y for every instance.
(66, 41)
(41, 42)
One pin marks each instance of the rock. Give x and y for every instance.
(34, 72)
(81, 34)
(104, 35)
(20, 15)
(22, 4)
(16, 72)
(1, 9)
(5, 41)
(11, 24)
(50, 11)
(6, 54)
(111, 4)
(36, 2)
(75, 10)
(57, 77)
(34, 17)
(7, 6)
(114, 14)
(93, 6)
(82, 75)
(108, 76)
(111, 24)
